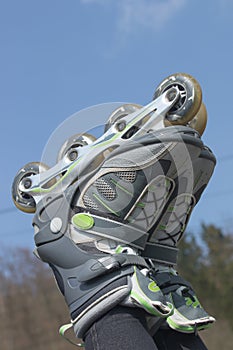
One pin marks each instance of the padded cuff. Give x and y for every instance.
(98, 308)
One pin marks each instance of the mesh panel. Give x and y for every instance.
(105, 189)
(89, 203)
(137, 156)
(129, 176)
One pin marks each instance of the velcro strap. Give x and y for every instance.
(168, 282)
(161, 253)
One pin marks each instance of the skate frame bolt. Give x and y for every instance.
(120, 126)
(72, 155)
(171, 94)
(27, 183)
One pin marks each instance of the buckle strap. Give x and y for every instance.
(161, 253)
(97, 267)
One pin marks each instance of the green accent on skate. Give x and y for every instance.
(64, 328)
(141, 114)
(151, 188)
(138, 294)
(171, 209)
(140, 205)
(194, 304)
(115, 136)
(107, 142)
(121, 187)
(130, 219)
(83, 221)
(144, 303)
(153, 287)
(119, 249)
(62, 331)
(187, 329)
(104, 204)
(148, 307)
(162, 227)
(47, 190)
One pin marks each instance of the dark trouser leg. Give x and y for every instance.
(122, 328)
(125, 328)
(168, 339)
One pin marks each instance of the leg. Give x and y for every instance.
(122, 328)
(168, 339)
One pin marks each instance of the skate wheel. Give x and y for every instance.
(69, 147)
(189, 101)
(200, 120)
(121, 112)
(24, 201)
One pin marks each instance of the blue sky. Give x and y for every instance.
(58, 57)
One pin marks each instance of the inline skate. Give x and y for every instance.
(110, 213)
